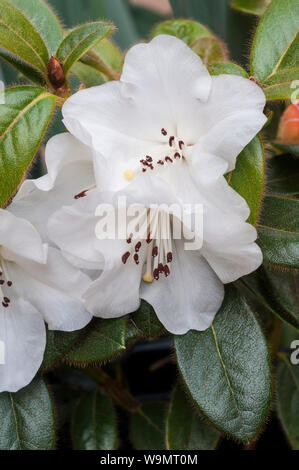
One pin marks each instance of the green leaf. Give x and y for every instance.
(283, 175)
(20, 37)
(248, 177)
(94, 423)
(87, 75)
(27, 418)
(279, 86)
(146, 321)
(185, 430)
(278, 229)
(100, 340)
(210, 49)
(41, 15)
(58, 344)
(110, 53)
(255, 7)
(147, 427)
(227, 369)
(186, 30)
(228, 68)
(287, 391)
(79, 41)
(24, 119)
(275, 43)
(24, 68)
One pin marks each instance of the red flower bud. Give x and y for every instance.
(288, 132)
(55, 73)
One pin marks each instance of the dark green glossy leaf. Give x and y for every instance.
(256, 7)
(186, 30)
(94, 423)
(58, 344)
(275, 45)
(280, 85)
(19, 36)
(283, 175)
(185, 430)
(147, 427)
(248, 177)
(278, 228)
(146, 321)
(24, 119)
(27, 418)
(100, 340)
(227, 369)
(44, 19)
(228, 68)
(288, 399)
(79, 41)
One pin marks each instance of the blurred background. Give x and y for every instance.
(135, 20)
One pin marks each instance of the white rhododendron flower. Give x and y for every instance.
(37, 285)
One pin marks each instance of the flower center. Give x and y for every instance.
(156, 237)
(5, 282)
(174, 152)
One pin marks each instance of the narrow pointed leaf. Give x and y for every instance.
(227, 369)
(24, 119)
(278, 228)
(147, 427)
(79, 41)
(275, 43)
(288, 400)
(29, 72)
(94, 423)
(255, 7)
(27, 418)
(185, 429)
(99, 341)
(19, 36)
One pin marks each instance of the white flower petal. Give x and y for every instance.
(19, 236)
(55, 290)
(22, 330)
(190, 297)
(70, 167)
(231, 118)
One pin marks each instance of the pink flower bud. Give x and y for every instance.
(288, 132)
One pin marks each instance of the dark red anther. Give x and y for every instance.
(137, 247)
(143, 170)
(177, 155)
(155, 252)
(166, 270)
(1, 282)
(143, 162)
(168, 159)
(160, 162)
(80, 195)
(129, 240)
(163, 131)
(9, 283)
(1, 273)
(136, 258)
(171, 140)
(156, 274)
(5, 305)
(169, 257)
(149, 159)
(6, 300)
(148, 240)
(125, 257)
(181, 144)
(160, 268)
